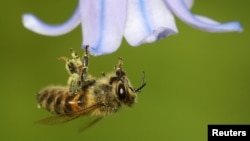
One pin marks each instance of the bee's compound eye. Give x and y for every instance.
(121, 91)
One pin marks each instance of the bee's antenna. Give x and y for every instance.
(143, 84)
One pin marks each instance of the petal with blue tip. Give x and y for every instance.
(148, 21)
(103, 24)
(180, 9)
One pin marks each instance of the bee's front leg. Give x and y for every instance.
(119, 72)
(85, 62)
(85, 80)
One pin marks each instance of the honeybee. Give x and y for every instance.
(85, 95)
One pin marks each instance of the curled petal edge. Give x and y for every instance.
(180, 9)
(34, 24)
(161, 32)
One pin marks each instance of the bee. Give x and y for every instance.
(85, 95)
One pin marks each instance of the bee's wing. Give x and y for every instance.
(88, 124)
(64, 118)
(57, 119)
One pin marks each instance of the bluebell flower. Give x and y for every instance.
(105, 22)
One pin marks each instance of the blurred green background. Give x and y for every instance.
(193, 79)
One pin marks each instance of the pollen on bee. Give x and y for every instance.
(85, 95)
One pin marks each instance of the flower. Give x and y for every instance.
(105, 22)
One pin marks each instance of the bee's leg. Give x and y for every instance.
(73, 66)
(85, 81)
(85, 62)
(120, 63)
(74, 54)
(119, 72)
(74, 83)
(67, 60)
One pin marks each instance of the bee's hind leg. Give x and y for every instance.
(73, 67)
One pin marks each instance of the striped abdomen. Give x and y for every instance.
(57, 100)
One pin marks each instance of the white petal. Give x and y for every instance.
(181, 10)
(189, 3)
(148, 21)
(103, 24)
(34, 24)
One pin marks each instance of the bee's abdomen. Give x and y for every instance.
(57, 100)
(52, 99)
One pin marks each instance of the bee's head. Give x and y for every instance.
(124, 91)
